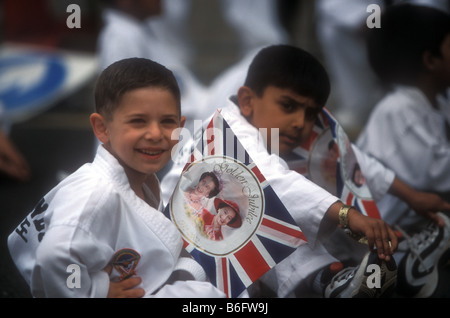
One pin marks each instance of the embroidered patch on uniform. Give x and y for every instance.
(125, 262)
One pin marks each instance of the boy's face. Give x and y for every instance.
(139, 133)
(443, 66)
(293, 114)
(143, 9)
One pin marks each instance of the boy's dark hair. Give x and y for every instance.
(289, 67)
(395, 50)
(129, 74)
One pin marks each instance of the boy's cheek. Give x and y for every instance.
(285, 150)
(175, 135)
(307, 131)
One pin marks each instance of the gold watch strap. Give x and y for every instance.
(343, 216)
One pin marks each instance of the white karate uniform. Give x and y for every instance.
(408, 135)
(256, 23)
(355, 88)
(124, 36)
(155, 38)
(88, 221)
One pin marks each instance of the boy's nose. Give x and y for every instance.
(153, 132)
(299, 119)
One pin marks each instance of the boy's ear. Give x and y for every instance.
(245, 100)
(176, 133)
(430, 61)
(98, 123)
(182, 121)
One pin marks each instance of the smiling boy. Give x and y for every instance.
(105, 219)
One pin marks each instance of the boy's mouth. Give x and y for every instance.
(290, 139)
(153, 153)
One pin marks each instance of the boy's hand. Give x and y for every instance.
(428, 204)
(424, 203)
(11, 160)
(378, 233)
(125, 288)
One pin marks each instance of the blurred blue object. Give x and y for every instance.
(32, 80)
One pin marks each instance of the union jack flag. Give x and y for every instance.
(327, 159)
(268, 233)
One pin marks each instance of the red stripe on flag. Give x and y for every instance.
(185, 243)
(258, 174)
(252, 261)
(371, 209)
(349, 198)
(284, 229)
(210, 138)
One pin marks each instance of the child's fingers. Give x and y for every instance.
(370, 238)
(393, 240)
(130, 282)
(135, 293)
(435, 218)
(384, 237)
(108, 269)
(381, 248)
(129, 290)
(126, 288)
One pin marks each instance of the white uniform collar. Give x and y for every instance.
(110, 167)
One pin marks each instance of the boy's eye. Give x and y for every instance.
(287, 106)
(311, 113)
(137, 121)
(169, 121)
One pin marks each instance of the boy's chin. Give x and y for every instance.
(284, 151)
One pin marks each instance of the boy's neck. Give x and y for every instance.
(430, 90)
(136, 184)
(136, 181)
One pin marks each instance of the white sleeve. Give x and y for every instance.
(409, 142)
(306, 201)
(62, 265)
(379, 178)
(188, 280)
